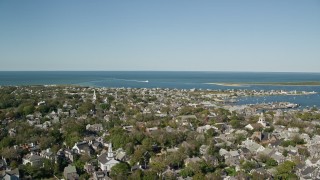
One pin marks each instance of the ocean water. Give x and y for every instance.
(171, 79)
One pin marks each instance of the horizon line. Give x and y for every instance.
(230, 71)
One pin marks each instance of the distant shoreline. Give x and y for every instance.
(311, 83)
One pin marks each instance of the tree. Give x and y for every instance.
(119, 137)
(198, 176)
(120, 171)
(175, 159)
(105, 106)
(86, 107)
(285, 170)
(247, 166)
(304, 152)
(231, 171)
(29, 109)
(9, 153)
(271, 162)
(6, 142)
(148, 175)
(235, 123)
(158, 165)
(136, 175)
(239, 138)
(187, 171)
(60, 165)
(46, 142)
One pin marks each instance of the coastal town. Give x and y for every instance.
(74, 132)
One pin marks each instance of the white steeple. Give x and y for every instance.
(110, 153)
(94, 98)
(262, 120)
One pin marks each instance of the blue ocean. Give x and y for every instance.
(172, 79)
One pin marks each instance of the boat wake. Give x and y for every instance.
(229, 84)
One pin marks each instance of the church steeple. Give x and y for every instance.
(94, 98)
(262, 120)
(110, 153)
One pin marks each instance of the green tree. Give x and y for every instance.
(158, 165)
(198, 176)
(271, 162)
(6, 142)
(235, 123)
(29, 109)
(187, 171)
(175, 159)
(231, 171)
(247, 166)
(105, 106)
(136, 175)
(86, 107)
(150, 175)
(304, 152)
(285, 170)
(9, 153)
(120, 171)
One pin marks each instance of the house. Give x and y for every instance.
(169, 129)
(3, 164)
(70, 173)
(121, 155)
(305, 137)
(278, 157)
(232, 158)
(205, 128)
(203, 149)
(89, 168)
(12, 132)
(94, 127)
(106, 160)
(169, 173)
(211, 159)
(245, 153)
(82, 148)
(315, 162)
(314, 150)
(186, 119)
(101, 175)
(96, 145)
(257, 136)
(73, 112)
(256, 126)
(150, 130)
(252, 146)
(191, 160)
(267, 151)
(106, 118)
(33, 159)
(308, 172)
(47, 154)
(128, 128)
(10, 175)
(262, 173)
(249, 126)
(69, 154)
(222, 152)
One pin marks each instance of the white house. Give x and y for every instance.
(33, 159)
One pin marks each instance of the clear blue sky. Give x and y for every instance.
(204, 35)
